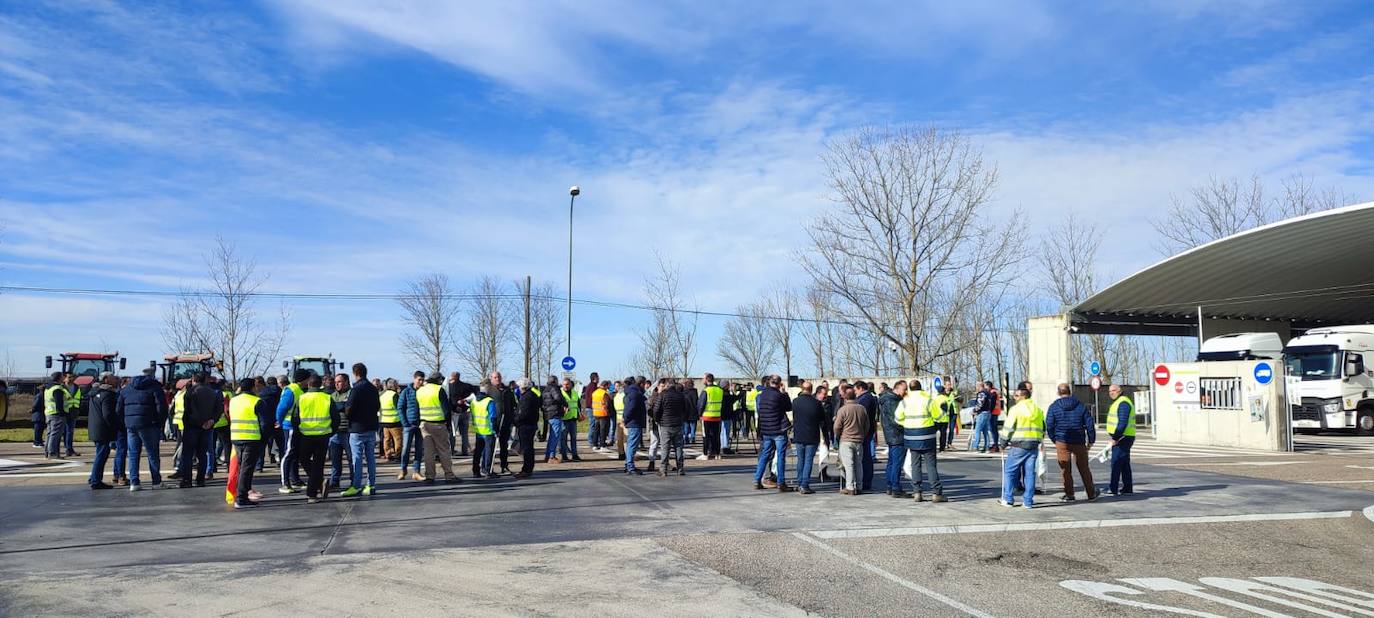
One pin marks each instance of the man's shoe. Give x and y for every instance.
(505, 471)
(982, 450)
(919, 497)
(350, 492)
(369, 491)
(846, 492)
(324, 491)
(770, 483)
(1067, 498)
(1027, 506)
(758, 485)
(312, 500)
(401, 476)
(1094, 494)
(175, 476)
(134, 487)
(1005, 503)
(73, 454)
(200, 483)
(1127, 491)
(939, 498)
(493, 476)
(210, 476)
(416, 476)
(576, 458)
(637, 472)
(427, 481)
(246, 504)
(652, 468)
(682, 472)
(285, 490)
(662, 473)
(520, 475)
(38, 446)
(102, 485)
(184, 484)
(703, 458)
(806, 490)
(452, 480)
(784, 488)
(122, 481)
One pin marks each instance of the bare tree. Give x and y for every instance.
(431, 310)
(183, 328)
(914, 203)
(656, 355)
(491, 323)
(819, 330)
(747, 343)
(546, 329)
(784, 313)
(1221, 207)
(665, 295)
(228, 315)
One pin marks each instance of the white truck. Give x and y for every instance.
(1241, 346)
(1329, 385)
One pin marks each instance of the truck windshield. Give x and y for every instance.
(1322, 365)
(184, 371)
(317, 367)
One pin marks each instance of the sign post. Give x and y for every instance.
(1096, 383)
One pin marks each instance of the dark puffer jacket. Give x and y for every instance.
(104, 424)
(670, 409)
(773, 407)
(887, 413)
(141, 403)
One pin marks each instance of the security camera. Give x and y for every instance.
(574, 191)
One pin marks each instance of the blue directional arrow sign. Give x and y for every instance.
(569, 363)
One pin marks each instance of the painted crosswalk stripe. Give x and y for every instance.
(1069, 525)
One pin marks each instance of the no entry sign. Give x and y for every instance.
(1161, 375)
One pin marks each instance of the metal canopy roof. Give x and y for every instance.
(1306, 271)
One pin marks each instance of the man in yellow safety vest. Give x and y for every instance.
(314, 420)
(1023, 431)
(390, 419)
(485, 417)
(249, 420)
(435, 415)
(712, 409)
(1121, 427)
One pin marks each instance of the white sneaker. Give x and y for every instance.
(134, 488)
(159, 486)
(701, 458)
(1005, 503)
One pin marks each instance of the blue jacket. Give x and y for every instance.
(284, 405)
(1067, 420)
(773, 407)
(141, 403)
(636, 412)
(408, 407)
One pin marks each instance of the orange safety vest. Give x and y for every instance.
(599, 403)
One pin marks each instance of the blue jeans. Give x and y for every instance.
(806, 455)
(102, 453)
(483, 451)
(689, 431)
(70, 432)
(633, 437)
(556, 446)
(121, 453)
(211, 447)
(725, 432)
(896, 456)
(870, 455)
(984, 436)
(145, 439)
(591, 428)
(570, 436)
(1121, 466)
(773, 450)
(362, 447)
(1020, 468)
(412, 442)
(336, 447)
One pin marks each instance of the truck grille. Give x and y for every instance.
(1307, 412)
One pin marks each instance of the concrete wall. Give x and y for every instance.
(1184, 418)
(1048, 351)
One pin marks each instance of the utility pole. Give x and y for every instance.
(527, 327)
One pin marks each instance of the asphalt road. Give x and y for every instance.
(585, 539)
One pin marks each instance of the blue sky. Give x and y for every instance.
(350, 146)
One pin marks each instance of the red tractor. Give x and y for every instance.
(85, 368)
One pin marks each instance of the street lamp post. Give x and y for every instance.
(572, 197)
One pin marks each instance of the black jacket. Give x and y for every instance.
(671, 407)
(693, 404)
(141, 403)
(808, 413)
(103, 423)
(527, 412)
(203, 403)
(271, 395)
(505, 403)
(36, 410)
(636, 410)
(552, 403)
(773, 407)
(363, 406)
(887, 411)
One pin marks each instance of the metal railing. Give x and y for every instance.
(1220, 393)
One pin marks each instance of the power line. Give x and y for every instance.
(851, 321)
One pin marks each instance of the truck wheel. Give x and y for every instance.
(1364, 422)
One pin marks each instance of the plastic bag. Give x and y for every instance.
(1105, 455)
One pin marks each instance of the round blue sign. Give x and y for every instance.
(569, 363)
(1095, 368)
(1264, 373)
(937, 383)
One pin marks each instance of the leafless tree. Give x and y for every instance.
(491, 323)
(819, 331)
(546, 329)
(183, 328)
(782, 307)
(656, 356)
(748, 341)
(913, 203)
(228, 314)
(1221, 207)
(431, 310)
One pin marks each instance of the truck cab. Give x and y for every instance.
(1329, 384)
(1241, 346)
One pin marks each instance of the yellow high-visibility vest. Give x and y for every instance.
(389, 414)
(573, 402)
(50, 400)
(914, 411)
(481, 415)
(1025, 423)
(619, 403)
(224, 419)
(315, 408)
(428, 396)
(1113, 418)
(751, 400)
(940, 408)
(178, 408)
(243, 418)
(715, 396)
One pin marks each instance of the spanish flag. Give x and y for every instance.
(231, 488)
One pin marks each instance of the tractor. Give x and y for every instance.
(323, 366)
(85, 368)
(177, 369)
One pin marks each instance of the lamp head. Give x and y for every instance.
(574, 191)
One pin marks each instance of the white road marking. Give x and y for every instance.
(1069, 525)
(1348, 595)
(1369, 512)
(1165, 584)
(1361, 467)
(1235, 463)
(893, 578)
(1253, 589)
(1103, 591)
(1336, 482)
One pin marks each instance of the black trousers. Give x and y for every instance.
(712, 445)
(194, 442)
(942, 438)
(525, 434)
(314, 450)
(249, 455)
(503, 433)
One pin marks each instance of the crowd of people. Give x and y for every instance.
(307, 422)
